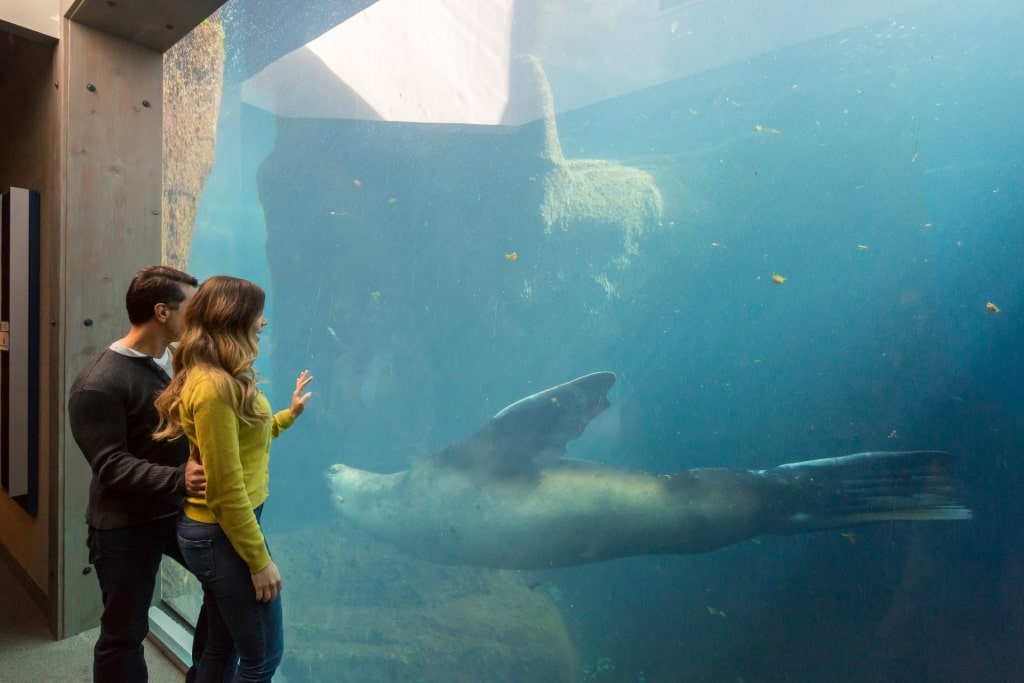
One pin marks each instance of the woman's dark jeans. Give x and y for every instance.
(237, 622)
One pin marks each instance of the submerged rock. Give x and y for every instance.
(357, 611)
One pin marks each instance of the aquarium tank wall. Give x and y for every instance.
(792, 231)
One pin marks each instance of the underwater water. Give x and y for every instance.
(876, 169)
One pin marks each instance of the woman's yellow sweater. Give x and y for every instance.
(236, 459)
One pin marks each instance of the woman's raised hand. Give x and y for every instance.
(298, 397)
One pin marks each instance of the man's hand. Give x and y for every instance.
(195, 476)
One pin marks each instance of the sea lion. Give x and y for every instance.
(505, 497)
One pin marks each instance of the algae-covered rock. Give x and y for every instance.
(193, 79)
(599, 191)
(356, 610)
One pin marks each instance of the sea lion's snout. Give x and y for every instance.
(331, 475)
(334, 473)
(339, 479)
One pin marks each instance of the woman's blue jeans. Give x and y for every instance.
(238, 623)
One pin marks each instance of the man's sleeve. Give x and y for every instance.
(99, 425)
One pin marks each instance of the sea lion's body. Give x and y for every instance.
(492, 501)
(572, 513)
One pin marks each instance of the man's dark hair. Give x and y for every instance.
(155, 285)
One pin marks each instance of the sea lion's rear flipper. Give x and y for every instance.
(865, 488)
(538, 425)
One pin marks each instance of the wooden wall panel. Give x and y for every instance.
(29, 117)
(112, 173)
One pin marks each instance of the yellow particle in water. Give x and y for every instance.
(991, 307)
(673, 27)
(778, 279)
(511, 256)
(758, 128)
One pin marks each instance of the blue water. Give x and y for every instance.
(891, 200)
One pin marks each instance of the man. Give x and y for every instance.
(137, 483)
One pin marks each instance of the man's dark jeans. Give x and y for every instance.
(127, 561)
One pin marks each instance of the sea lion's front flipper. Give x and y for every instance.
(541, 424)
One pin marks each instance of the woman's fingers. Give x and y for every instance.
(304, 379)
(267, 583)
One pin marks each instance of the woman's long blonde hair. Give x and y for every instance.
(216, 336)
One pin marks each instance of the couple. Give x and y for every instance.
(207, 392)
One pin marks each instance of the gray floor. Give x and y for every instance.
(29, 655)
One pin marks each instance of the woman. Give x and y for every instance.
(213, 400)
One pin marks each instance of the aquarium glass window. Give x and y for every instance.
(791, 230)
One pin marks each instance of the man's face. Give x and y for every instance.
(177, 315)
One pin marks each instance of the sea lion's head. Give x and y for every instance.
(342, 480)
(352, 487)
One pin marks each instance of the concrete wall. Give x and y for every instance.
(75, 115)
(81, 122)
(39, 16)
(111, 176)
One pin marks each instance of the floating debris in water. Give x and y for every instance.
(778, 279)
(511, 256)
(601, 666)
(991, 307)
